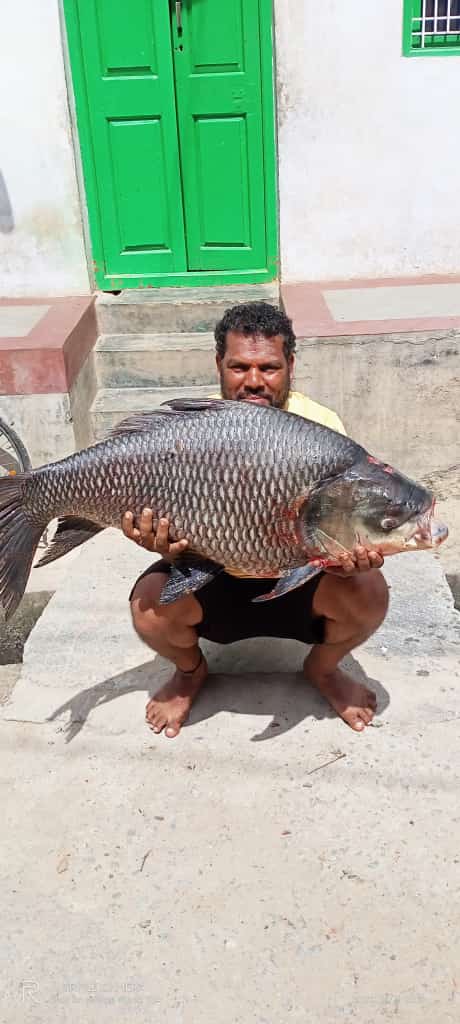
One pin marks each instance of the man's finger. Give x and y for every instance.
(127, 525)
(145, 523)
(362, 560)
(177, 548)
(162, 537)
(347, 563)
(375, 559)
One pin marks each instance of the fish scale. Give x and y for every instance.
(236, 480)
(200, 488)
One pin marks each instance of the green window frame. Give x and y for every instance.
(431, 28)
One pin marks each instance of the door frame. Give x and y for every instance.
(83, 147)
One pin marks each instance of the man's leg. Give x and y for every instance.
(169, 630)
(353, 609)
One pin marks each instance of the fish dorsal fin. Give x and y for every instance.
(144, 422)
(193, 404)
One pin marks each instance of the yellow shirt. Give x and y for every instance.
(301, 405)
(310, 410)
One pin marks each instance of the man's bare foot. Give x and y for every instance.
(352, 701)
(170, 707)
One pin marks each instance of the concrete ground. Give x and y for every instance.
(267, 865)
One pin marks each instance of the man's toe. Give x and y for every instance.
(155, 719)
(360, 718)
(172, 730)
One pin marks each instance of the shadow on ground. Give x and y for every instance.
(284, 696)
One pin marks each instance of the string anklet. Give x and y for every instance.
(191, 671)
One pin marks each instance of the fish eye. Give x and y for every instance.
(389, 523)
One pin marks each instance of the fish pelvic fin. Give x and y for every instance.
(19, 537)
(188, 574)
(71, 532)
(291, 581)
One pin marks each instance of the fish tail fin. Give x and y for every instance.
(19, 538)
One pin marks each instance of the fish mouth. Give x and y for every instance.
(428, 532)
(432, 535)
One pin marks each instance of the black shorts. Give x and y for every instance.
(230, 615)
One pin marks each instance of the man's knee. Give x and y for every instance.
(145, 604)
(153, 621)
(367, 598)
(360, 602)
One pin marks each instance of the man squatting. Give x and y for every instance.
(335, 612)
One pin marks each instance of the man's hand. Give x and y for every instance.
(359, 561)
(145, 535)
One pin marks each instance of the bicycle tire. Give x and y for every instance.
(19, 449)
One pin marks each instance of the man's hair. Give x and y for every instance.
(255, 318)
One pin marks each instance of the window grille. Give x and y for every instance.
(431, 26)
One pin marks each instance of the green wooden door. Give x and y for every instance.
(175, 119)
(219, 106)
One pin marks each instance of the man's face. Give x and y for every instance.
(255, 369)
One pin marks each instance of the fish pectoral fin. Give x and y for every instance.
(329, 545)
(188, 574)
(71, 532)
(291, 581)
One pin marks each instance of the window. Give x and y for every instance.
(431, 27)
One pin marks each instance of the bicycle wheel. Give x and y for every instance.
(14, 457)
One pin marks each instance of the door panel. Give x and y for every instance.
(219, 105)
(177, 139)
(126, 47)
(135, 147)
(129, 76)
(214, 33)
(219, 220)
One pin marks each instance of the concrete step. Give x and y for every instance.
(174, 309)
(143, 360)
(111, 405)
(166, 360)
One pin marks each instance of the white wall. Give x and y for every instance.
(369, 145)
(41, 241)
(369, 149)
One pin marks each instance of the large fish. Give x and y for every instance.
(253, 489)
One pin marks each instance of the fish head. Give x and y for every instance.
(374, 506)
